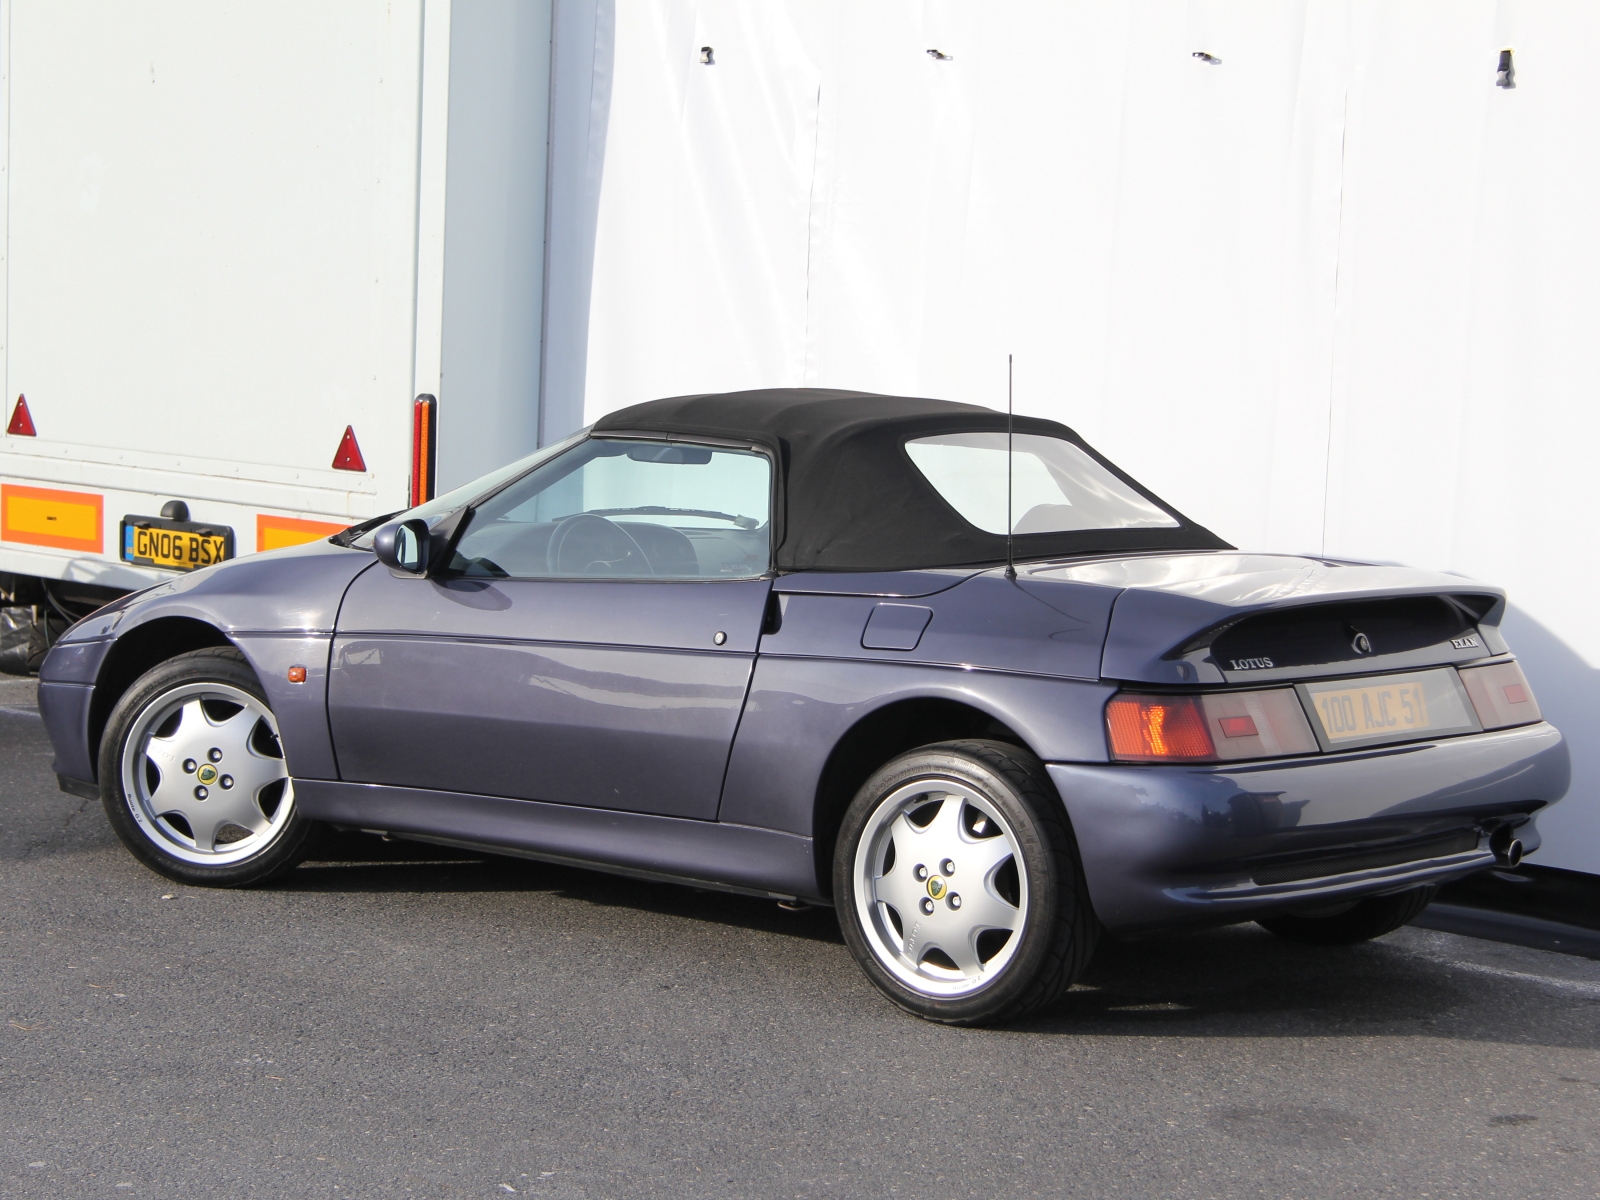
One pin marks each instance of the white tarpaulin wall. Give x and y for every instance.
(1335, 293)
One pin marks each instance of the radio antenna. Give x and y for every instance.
(1011, 560)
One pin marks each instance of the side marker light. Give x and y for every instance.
(424, 452)
(297, 674)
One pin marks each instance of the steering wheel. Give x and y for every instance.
(584, 544)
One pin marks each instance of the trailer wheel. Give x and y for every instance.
(192, 774)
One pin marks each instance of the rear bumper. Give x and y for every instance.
(1167, 846)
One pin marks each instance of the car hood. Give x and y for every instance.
(296, 589)
(1170, 606)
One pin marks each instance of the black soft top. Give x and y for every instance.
(849, 498)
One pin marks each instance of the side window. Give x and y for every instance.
(612, 508)
(1055, 486)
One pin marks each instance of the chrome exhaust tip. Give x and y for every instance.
(1507, 849)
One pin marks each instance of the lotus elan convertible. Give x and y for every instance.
(780, 643)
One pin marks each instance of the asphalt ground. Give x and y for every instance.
(410, 1024)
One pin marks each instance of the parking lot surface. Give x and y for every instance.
(417, 1023)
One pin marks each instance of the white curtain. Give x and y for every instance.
(1336, 292)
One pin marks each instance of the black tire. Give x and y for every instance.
(156, 840)
(1360, 922)
(1057, 924)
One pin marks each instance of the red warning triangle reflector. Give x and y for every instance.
(22, 420)
(349, 456)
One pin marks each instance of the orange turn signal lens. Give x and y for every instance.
(1158, 729)
(297, 674)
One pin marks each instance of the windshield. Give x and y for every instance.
(1056, 486)
(484, 485)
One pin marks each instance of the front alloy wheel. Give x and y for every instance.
(957, 884)
(193, 775)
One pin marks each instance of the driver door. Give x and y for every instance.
(590, 641)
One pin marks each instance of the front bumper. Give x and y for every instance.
(1167, 846)
(66, 691)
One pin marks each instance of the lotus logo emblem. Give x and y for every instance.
(937, 887)
(207, 774)
(1361, 644)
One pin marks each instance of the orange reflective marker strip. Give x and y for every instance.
(274, 533)
(47, 517)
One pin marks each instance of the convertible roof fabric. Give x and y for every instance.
(849, 498)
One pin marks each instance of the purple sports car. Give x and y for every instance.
(773, 643)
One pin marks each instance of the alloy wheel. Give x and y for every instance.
(204, 775)
(940, 888)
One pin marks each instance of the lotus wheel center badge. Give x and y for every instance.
(1361, 644)
(937, 887)
(206, 774)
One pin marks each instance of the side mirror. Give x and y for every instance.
(403, 546)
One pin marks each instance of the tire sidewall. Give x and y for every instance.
(200, 666)
(1038, 856)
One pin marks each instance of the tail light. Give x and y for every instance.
(424, 427)
(1213, 727)
(1158, 729)
(1501, 695)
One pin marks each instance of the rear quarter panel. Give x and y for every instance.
(799, 709)
(1027, 657)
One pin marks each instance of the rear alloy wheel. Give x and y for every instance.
(957, 884)
(1358, 922)
(192, 774)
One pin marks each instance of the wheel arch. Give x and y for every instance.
(879, 736)
(137, 651)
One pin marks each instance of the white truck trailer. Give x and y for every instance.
(244, 245)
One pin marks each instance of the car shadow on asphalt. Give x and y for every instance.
(1238, 981)
(362, 863)
(1241, 981)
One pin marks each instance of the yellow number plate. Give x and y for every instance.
(1395, 708)
(175, 549)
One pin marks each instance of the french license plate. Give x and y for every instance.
(175, 545)
(1393, 708)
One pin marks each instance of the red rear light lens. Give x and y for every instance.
(1158, 729)
(1236, 727)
